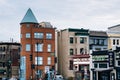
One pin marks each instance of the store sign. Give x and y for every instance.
(118, 55)
(111, 59)
(100, 58)
(81, 61)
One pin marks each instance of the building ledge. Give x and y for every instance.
(81, 56)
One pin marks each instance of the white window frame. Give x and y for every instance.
(40, 60)
(48, 35)
(39, 47)
(27, 35)
(38, 35)
(49, 60)
(28, 47)
(49, 47)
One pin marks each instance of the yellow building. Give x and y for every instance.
(113, 37)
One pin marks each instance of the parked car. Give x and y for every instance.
(58, 77)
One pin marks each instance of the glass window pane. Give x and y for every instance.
(113, 41)
(117, 41)
(38, 35)
(38, 60)
(95, 65)
(81, 39)
(49, 48)
(118, 75)
(48, 36)
(71, 51)
(49, 60)
(102, 65)
(27, 35)
(28, 47)
(81, 50)
(39, 47)
(71, 65)
(71, 39)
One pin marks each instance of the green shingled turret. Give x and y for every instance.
(29, 17)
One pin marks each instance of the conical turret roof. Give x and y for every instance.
(29, 17)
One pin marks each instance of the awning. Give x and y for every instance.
(105, 69)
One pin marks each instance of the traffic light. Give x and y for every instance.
(3, 64)
(32, 66)
(30, 57)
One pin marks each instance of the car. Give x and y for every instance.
(58, 77)
(4, 78)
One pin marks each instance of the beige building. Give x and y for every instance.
(73, 52)
(113, 37)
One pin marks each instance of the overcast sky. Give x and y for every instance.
(88, 14)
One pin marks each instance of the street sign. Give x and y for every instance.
(47, 69)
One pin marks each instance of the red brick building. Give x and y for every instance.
(38, 47)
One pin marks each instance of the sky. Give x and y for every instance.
(62, 14)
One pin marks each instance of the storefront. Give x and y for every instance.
(82, 68)
(117, 73)
(102, 62)
(102, 74)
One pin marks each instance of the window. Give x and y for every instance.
(48, 36)
(3, 49)
(82, 40)
(39, 47)
(0, 48)
(76, 40)
(75, 50)
(38, 60)
(97, 41)
(117, 41)
(97, 49)
(28, 47)
(49, 60)
(49, 48)
(94, 41)
(23, 68)
(118, 63)
(102, 41)
(81, 50)
(81, 67)
(71, 40)
(71, 65)
(113, 41)
(102, 65)
(71, 51)
(118, 74)
(38, 35)
(20, 35)
(95, 65)
(27, 35)
(27, 25)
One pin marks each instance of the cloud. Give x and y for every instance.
(89, 14)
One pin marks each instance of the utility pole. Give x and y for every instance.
(37, 62)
